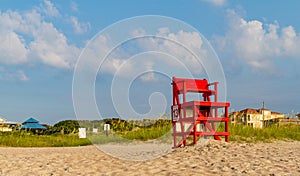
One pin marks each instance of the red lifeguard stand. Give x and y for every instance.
(197, 117)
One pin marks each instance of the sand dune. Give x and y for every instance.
(216, 158)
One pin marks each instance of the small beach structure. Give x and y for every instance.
(32, 124)
(195, 118)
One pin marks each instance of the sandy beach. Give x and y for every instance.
(216, 158)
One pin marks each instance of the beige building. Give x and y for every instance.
(6, 125)
(257, 118)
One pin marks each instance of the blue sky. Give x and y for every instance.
(40, 42)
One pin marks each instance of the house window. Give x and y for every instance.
(249, 119)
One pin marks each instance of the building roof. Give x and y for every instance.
(9, 123)
(32, 126)
(275, 113)
(4, 121)
(32, 123)
(254, 111)
(249, 111)
(30, 120)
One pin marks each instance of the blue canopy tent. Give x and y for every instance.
(33, 124)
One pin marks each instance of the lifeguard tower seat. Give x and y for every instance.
(197, 117)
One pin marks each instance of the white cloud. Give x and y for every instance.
(124, 62)
(112, 65)
(130, 68)
(150, 75)
(12, 48)
(79, 27)
(216, 2)
(51, 47)
(179, 45)
(256, 43)
(138, 33)
(19, 75)
(74, 7)
(49, 9)
(27, 37)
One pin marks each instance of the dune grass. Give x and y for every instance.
(149, 133)
(23, 139)
(241, 133)
(161, 131)
(122, 134)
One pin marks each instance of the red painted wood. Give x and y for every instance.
(195, 112)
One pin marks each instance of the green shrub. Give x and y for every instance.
(67, 126)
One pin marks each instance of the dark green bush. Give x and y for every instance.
(66, 127)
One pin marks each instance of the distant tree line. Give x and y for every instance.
(116, 125)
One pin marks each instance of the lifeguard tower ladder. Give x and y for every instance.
(198, 117)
